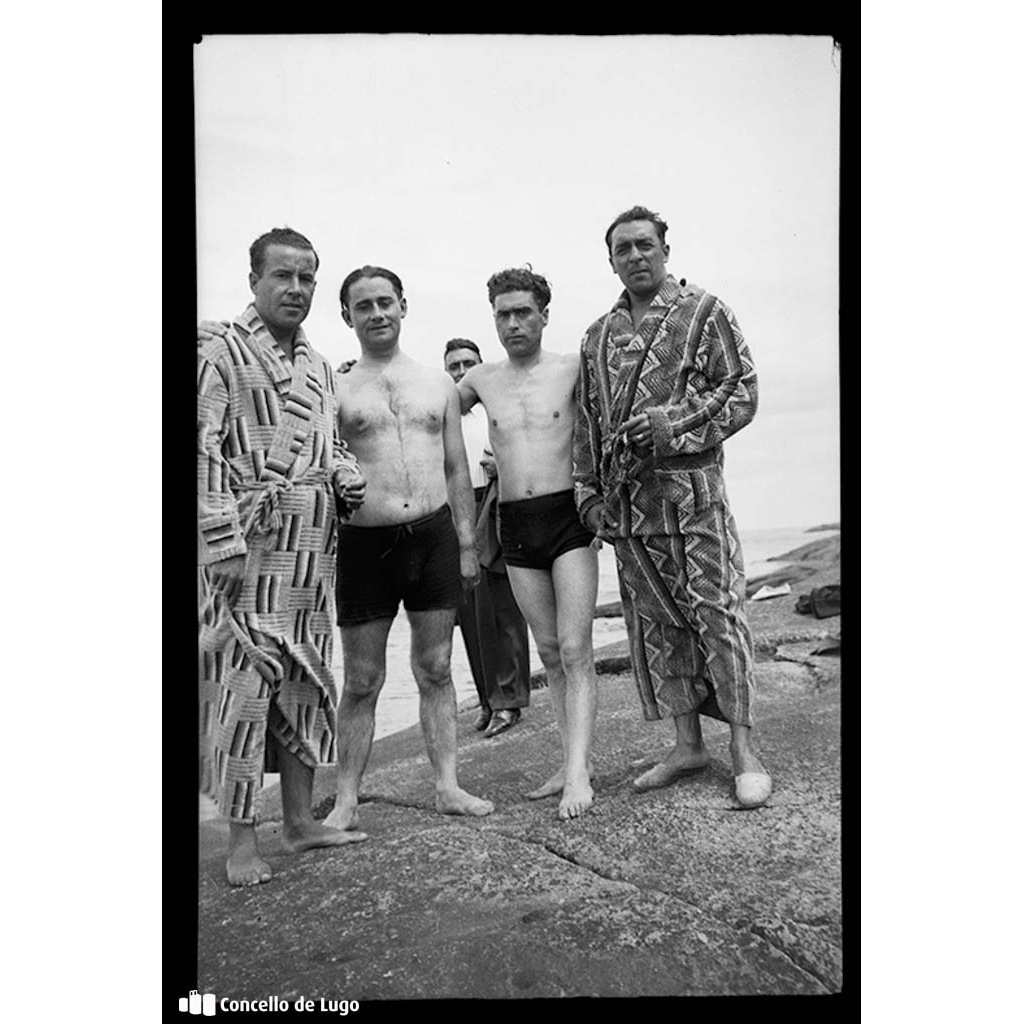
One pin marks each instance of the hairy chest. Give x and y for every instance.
(385, 407)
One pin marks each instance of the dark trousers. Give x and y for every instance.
(495, 635)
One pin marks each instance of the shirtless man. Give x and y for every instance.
(551, 558)
(410, 542)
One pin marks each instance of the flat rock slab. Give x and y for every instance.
(677, 891)
(671, 892)
(471, 912)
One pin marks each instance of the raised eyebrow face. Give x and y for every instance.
(641, 243)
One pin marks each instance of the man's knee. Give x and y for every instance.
(549, 650)
(432, 667)
(576, 653)
(363, 680)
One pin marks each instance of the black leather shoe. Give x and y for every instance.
(502, 720)
(483, 719)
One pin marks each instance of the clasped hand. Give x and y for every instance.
(601, 521)
(638, 430)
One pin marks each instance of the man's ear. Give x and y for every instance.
(664, 246)
(611, 263)
(403, 305)
(345, 315)
(252, 282)
(544, 315)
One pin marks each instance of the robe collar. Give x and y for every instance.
(270, 354)
(669, 291)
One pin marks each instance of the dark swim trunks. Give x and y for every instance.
(415, 563)
(535, 531)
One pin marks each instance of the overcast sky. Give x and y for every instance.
(446, 158)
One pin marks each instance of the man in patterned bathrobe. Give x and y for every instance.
(270, 470)
(665, 378)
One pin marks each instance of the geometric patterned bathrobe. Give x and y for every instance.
(268, 461)
(677, 550)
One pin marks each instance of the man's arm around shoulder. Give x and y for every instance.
(467, 388)
(460, 491)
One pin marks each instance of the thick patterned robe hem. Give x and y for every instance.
(683, 604)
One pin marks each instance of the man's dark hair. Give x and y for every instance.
(278, 236)
(368, 271)
(636, 213)
(519, 279)
(455, 344)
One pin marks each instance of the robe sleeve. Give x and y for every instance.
(220, 528)
(586, 435)
(724, 399)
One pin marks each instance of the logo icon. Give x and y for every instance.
(194, 1003)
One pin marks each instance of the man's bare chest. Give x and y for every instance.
(523, 410)
(386, 406)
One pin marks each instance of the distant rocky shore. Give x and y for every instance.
(807, 560)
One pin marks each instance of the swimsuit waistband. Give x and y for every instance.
(408, 526)
(538, 503)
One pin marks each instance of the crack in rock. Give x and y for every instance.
(796, 958)
(819, 678)
(800, 962)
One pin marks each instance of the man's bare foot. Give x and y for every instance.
(458, 801)
(554, 785)
(673, 768)
(246, 867)
(550, 788)
(315, 834)
(577, 796)
(344, 817)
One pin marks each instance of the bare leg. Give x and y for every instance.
(364, 650)
(535, 595)
(688, 755)
(574, 575)
(301, 830)
(559, 606)
(245, 865)
(431, 636)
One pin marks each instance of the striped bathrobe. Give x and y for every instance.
(269, 461)
(678, 553)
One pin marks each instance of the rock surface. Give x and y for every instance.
(672, 892)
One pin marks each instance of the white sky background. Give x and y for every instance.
(446, 158)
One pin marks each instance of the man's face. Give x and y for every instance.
(459, 361)
(284, 290)
(374, 311)
(520, 323)
(638, 257)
